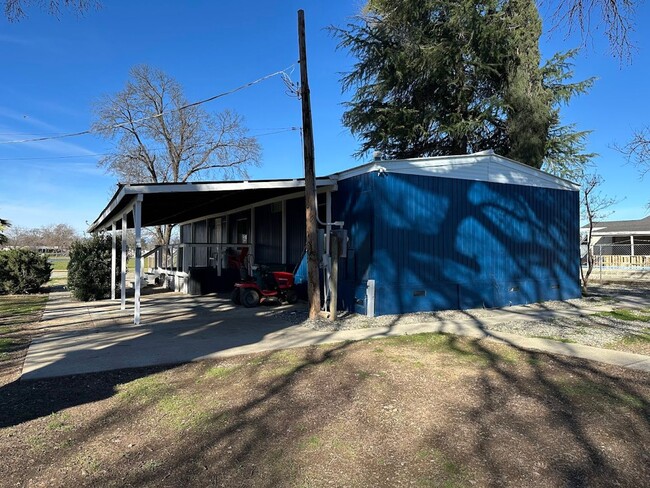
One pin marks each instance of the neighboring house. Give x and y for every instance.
(423, 234)
(621, 237)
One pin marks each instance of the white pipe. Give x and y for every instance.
(113, 258)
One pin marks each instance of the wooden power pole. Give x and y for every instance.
(313, 285)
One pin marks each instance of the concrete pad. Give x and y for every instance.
(93, 337)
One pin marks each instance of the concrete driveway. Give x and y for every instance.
(98, 336)
(175, 328)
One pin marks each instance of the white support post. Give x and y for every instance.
(123, 265)
(632, 245)
(370, 298)
(113, 258)
(137, 223)
(284, 232)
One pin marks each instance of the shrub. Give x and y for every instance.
(89, 269)
(23, 271)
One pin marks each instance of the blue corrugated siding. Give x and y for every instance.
(268, 235)
(353, 203)
(437, 243)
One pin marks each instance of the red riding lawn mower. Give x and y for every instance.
(264, 285)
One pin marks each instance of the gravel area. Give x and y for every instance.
(589, 329)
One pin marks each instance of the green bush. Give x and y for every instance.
(23, 271)
(89, 269)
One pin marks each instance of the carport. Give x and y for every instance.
(134, 206)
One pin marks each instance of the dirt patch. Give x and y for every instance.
(422, 410)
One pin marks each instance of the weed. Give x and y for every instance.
(59, 422)
(36, 442)
(151, 465)
(88, 463)
(7, 330)
(312, 442)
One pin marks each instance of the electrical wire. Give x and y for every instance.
(154, 116)
(92, 155)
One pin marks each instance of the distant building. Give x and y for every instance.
(621, 237)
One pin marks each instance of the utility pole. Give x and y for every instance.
(313, 285)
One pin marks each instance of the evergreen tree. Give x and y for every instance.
(3, 225)
(441, 77)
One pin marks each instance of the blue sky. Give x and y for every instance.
(54, 70)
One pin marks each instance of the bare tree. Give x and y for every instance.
(594, 208)
(15, 10)
(58, 237)
(617, 16)
(161, 138)
(638, 150)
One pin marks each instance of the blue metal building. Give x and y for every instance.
(424, 234)
(456, 233)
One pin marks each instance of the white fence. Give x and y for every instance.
(620, 261)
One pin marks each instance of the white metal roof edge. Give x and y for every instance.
(455, 167)
(223, 185)
(622, 233)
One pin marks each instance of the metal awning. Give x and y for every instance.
(174, 203)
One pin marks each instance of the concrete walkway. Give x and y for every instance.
(93, 337)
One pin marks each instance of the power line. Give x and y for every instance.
(158, 115)
(45, 158)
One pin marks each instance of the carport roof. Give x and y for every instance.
(174, 203)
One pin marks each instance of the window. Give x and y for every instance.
(241, 227)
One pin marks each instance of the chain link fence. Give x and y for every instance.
(619, 261)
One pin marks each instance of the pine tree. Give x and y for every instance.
(440, 77)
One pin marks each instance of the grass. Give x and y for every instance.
(182, 412)
(6, 345)
(447, 344)
(556, 338)
(13, 308)
(461, 422)
(59, 264)
(641, 337)
(642, 315)
(59, 422)
(220, 372)
(149, 389)
(597, 394)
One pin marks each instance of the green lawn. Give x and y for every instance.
(14, 309)
(60, 264)
(17, 313)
